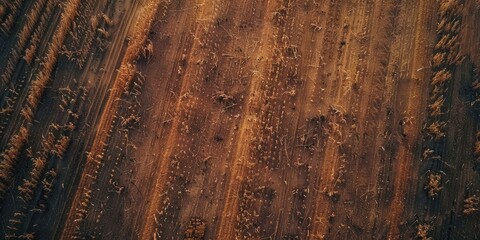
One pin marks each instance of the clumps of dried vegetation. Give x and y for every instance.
(436, 130)
(9, 159)
(126, 73)
(423, 230)
(8, 13)
(39, 163)
(22, 39)
(225, 99)
(196, 229)
(130, 121)
(447, 56)
(433, 185)
(470, 205)
(34, 93)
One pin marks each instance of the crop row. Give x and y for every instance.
(35, 188)
(12, 95)
(83, 34)
(27, 188)
(39, 32)
(447, 56)
(8, 13)
(22, 39)
(95, 158)
(9, 160)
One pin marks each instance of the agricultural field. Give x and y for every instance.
(250, 119)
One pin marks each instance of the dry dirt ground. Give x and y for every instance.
(250, 119)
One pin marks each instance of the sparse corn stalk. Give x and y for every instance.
(441, 44)
(23, 36)
(441, 25)
(9, 159)
(423, 230)
(94, 22)
(39, 164)
(436, 130)
(436, 107)
(437, 92)
(439, 59)
(61, 146)
(433, 186)
(429, 154)
(123, 78)
(27, 236)
(35, 39)
(38, 85)
(107, 20)
(27, 114)
(448, 7)
(455, 58)
(7, 25)
(441, 77)
(103, 32)
(148, 50)
(471, 205)
(30, 53)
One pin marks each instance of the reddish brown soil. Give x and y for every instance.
(280, 119)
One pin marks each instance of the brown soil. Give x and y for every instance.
(254, 119)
